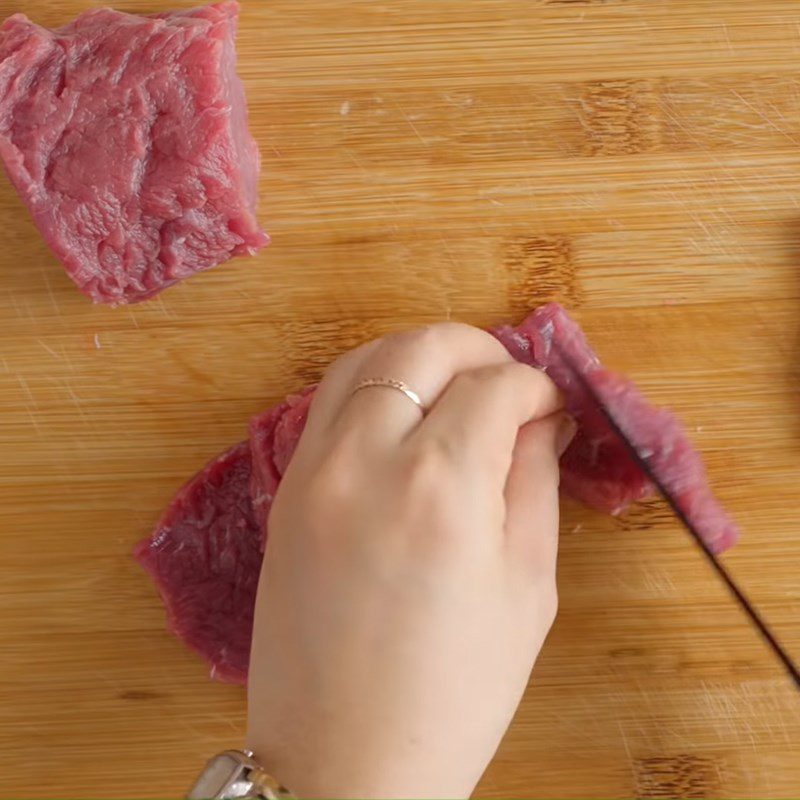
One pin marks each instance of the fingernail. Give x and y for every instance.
(566, 433)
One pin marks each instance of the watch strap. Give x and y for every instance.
(236, 775)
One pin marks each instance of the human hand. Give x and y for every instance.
(409, 577)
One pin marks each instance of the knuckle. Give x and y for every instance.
(447, 335)
(332, 487)
(430, 485)
(434, 498)
(546, 594)
(459, 334)
(428, 466)
(513, 374)
(428, 338)
(495, 381)
(444, 331)
(538, 585)
(403, 345)
(539, 380)
(490, 377)
(513, 383)
(550, 603)
(347, 361)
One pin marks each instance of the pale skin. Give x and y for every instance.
(409, 579)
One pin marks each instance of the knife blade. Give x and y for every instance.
(741, 598)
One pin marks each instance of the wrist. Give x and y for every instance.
(292, 764)
(308, 776)
(313, 773)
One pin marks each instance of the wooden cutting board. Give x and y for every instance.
(454, 159)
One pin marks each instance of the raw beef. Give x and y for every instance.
(598, 469)
(273, 438)
(204, 557)
(127, 139)
(205, 553)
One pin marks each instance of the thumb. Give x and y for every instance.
(532, 489)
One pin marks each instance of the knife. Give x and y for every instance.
(741, 598)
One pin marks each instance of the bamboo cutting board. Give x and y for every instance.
(455, 159)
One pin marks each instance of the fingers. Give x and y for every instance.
(532, 490)
(337, 381)
(325, 402)
(478, 418)
(425, 360)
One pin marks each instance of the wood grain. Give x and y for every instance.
(637, 159)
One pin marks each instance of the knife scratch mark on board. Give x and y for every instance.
(31, 406)
(48, 349)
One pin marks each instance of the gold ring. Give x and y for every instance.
(391, 383)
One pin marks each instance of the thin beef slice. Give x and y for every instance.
(127, 138)
(273, 438)
(205, 560)
(598, 469)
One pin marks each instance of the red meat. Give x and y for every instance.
(205, 553)
(273, 438)
(598, 469)
(127, 139)
(204, 558)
